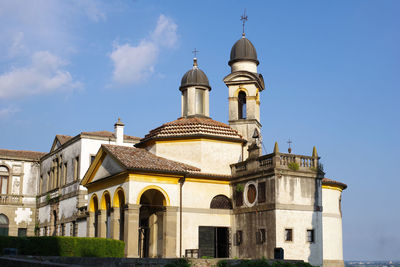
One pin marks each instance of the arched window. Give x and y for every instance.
(3, 225)
(242, 105)
(200, 101)
(221, 202)
(4, 177)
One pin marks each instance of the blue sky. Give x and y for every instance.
(332, 72)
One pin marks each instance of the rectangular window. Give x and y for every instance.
(261, 192)
(21, 232)
(238, 238)
(310, 236)
(260, 236)
(74, 229)
(45, 231)
(288, 234)
(3, 184)
(239, 198)
(76, 168)
(48, 181)
(62, 229)
(65, 174)
(41, 185)
(92, 157)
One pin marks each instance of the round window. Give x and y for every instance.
(251, 193)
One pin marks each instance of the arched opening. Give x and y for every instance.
(106, 207)
(94, 207)
(119, 203)
(221, 202)
(200, 101)
(4, 225)
(4, 177)
(151, 223)
(242, 105)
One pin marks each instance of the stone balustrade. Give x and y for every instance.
(10, 199)
(278, 160)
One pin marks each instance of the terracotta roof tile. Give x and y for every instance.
(139, 158)
(110, 135)
(33, 155)
(63, 138)
(193, 126)
(327, 181)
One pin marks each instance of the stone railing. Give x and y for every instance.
(10, 199)
(277, 160)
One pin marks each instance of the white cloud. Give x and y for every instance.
(92, 9)
(5, 112)
(134, 64)
(44, 74)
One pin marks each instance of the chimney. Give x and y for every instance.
(119, 132)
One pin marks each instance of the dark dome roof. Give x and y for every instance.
(194, 77)
(243, 49)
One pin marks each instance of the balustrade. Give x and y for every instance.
(10, 199)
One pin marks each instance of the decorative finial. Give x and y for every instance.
(314, 152)
(119, 123)
(243, 18)
(276, 148)
(195, 51)
(289, 149)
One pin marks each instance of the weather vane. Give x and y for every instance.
(195, 51)
(243, 18)
(289, 149)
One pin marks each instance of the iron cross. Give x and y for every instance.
(195, 52)
(243, 18)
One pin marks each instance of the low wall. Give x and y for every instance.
(43, 261)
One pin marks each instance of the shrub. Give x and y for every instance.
(179, 263)
(64, 246)
(293, 166)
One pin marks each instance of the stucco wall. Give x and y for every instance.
(208, 155)
(332, 225)
(300, 222)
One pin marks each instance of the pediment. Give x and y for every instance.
(243, 77)
(104, 165)
(107, 168)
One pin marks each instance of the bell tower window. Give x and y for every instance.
(200, 101)
(242, 105)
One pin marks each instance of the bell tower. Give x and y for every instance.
(244, 85)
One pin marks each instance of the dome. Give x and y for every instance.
(243, 49)
(194, 77)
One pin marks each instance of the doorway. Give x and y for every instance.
(213, 242)
(151, 224)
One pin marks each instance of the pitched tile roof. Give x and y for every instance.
(108, 134)
(63, 138)
(33, 155)
(139, 158)
(326, 181)
(193, 127)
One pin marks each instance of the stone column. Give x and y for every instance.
(102, 223)
(169, 232)
(115, 217)
(131, 231)
(90, 225)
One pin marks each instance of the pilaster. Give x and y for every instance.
(131, 232)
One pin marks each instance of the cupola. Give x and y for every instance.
(243, 56)
(195, 92)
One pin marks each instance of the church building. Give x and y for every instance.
(191, 187)
(198, 187)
